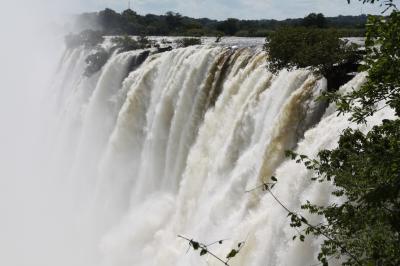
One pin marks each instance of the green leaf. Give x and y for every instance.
(195, 244)
(203, 252)
(232, 253)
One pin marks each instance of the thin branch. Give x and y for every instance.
(240, 247)
(265, 185)
(204, 247)
(213, 243)
(386, 105)
(260, 186)
(315, 228)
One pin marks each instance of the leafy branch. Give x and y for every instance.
(297, 220)
(387, 3)
(203, 248)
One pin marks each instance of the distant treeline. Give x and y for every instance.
(174, 24)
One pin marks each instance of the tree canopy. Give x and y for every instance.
(315, 20)
(364, 227)
(300, 47)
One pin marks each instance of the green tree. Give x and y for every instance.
(229, 26)
(129, 15)
(126, 43)
(382, 63)
(314, 20)
(174, 20)
(322, 50)
(364, 229)
(185, 42)
(110, 21)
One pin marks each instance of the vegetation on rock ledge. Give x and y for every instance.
(363, 226)
(302, 47)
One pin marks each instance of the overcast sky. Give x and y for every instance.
(222, 9)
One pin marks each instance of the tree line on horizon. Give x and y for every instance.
(129, 22)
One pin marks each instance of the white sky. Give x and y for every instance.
(221, 9)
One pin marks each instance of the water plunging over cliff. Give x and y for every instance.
(171, 145)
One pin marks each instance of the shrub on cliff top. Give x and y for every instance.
(126, 43)
(185, 42)
(300, 47)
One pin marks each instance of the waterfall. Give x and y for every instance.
(149, 150)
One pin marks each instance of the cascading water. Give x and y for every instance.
(171, 146)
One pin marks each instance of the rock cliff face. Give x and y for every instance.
(343, 73)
